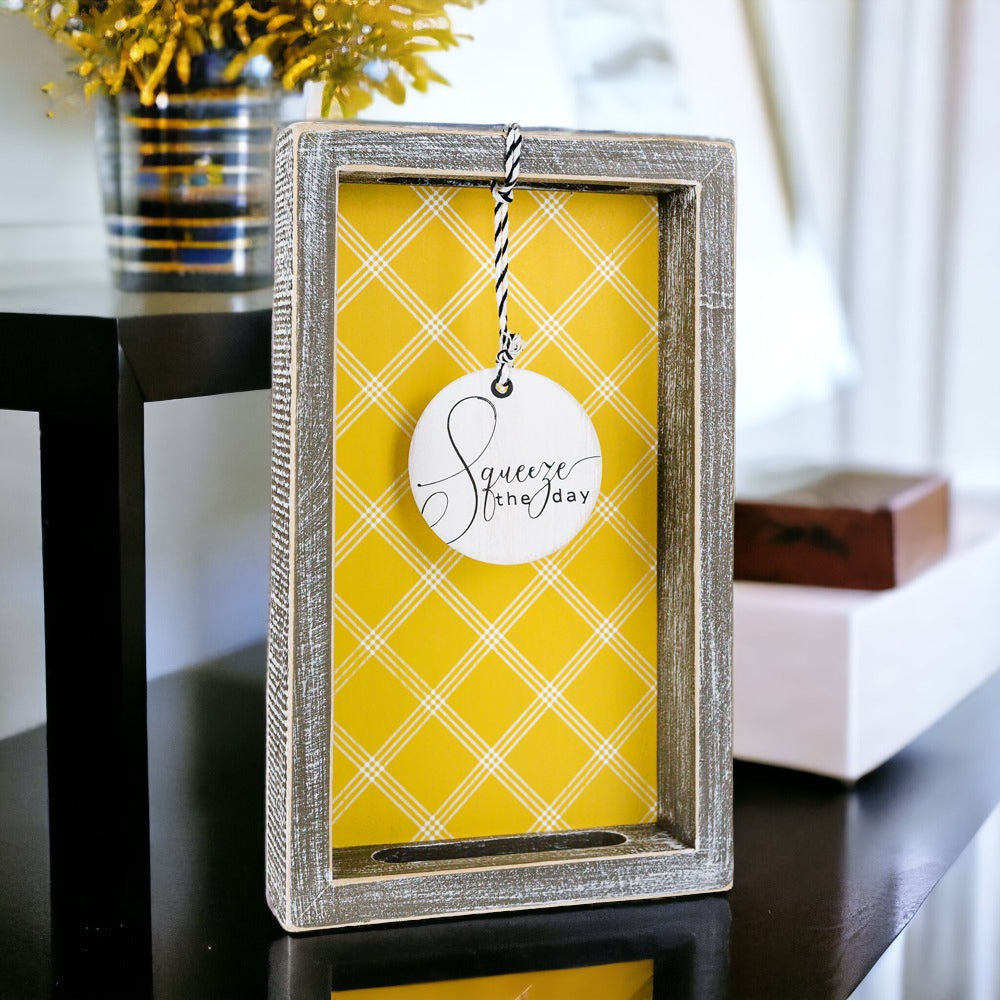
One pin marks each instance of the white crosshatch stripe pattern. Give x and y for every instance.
(472, 700)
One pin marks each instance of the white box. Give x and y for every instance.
(837, 681)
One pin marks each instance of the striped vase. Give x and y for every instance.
(187, 182)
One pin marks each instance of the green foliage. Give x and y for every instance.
(355, 48)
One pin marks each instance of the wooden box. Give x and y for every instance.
(856, 529)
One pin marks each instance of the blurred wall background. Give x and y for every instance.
(868, 260)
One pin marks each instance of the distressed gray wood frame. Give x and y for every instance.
(689, 848)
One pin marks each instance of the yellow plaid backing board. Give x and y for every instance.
(620, 981)
(470, 699)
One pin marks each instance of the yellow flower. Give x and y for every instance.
(149, 45)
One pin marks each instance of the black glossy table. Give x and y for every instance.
(87, 359)
(825, 876)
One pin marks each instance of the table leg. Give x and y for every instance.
(93, 532)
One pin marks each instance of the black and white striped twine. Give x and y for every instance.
(503, 194)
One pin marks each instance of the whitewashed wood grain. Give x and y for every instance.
(689, 848)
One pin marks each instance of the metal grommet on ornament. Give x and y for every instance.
(501, 393)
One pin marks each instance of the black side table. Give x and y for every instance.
(86, 359)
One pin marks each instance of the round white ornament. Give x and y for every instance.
(505, 480)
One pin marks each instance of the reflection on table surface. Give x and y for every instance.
(677, 949)
(619, 981)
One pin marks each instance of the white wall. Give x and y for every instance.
(48, 193)
(22, 680)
